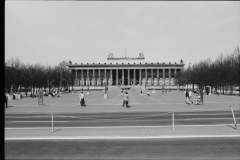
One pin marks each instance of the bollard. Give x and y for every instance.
(52, 122)
(234, 118)
(173, 119)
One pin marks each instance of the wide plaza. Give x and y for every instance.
(96, 103)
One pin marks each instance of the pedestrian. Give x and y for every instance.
(162, 89)
(198, 98)
(190, 94)
(6, 100)
(141, 92)
(169, 90)
(81, 101)
(201, 95)
(166, 90)
(124, 102)
(148, 93)
(187, 97)
(121, 92)
(126, 99)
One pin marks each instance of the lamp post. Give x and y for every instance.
(189, 77)
(60, 78)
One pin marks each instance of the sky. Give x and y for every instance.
(48, 32)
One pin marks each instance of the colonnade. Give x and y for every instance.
(96, 78)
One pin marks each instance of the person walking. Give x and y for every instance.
(162, 89)
(123, 99)
(6, 100)
(148, 93)
(190, 94)
(126, 99)
(81, 100)
(187, 97)
(169, 90)
(201, 95)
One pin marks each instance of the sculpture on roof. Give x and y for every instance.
(110, 55)
(141, 55)
(69, 62)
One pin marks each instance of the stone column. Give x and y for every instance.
(152, 77)
(105, 73)
(116, 77)
(128, 76)
(175, 73)
(134, 76)
(82, 77)
(163, 73)
(105, 76)
(87, 77)
(122, 76)
(94, 77)
(111, 77)
(157, 76)
(145, 76)
(99, 74)
(140, 77)
(76, 73)
(169, 73)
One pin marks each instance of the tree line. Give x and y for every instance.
(31, 76)
(221, 73)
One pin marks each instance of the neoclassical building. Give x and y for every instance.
(125, 72)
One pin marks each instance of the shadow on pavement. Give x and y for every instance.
(232, 127)
(56, 130)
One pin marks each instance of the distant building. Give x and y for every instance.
(126, 71)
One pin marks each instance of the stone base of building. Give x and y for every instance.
(132, 87)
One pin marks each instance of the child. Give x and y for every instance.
(198, 100)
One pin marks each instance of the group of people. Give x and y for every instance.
(53, 94)
(199, 95)
(125, 98)
(165, 90)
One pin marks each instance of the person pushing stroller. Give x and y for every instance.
(81, 101)
(198, 98)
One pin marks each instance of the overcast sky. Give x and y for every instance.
(48, 32)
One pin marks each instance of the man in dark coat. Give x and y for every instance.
(6, 100)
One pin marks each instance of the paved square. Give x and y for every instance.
(69, 103)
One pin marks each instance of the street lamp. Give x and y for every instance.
(60, 78)
(189, 68)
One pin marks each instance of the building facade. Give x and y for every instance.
(132, 72)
